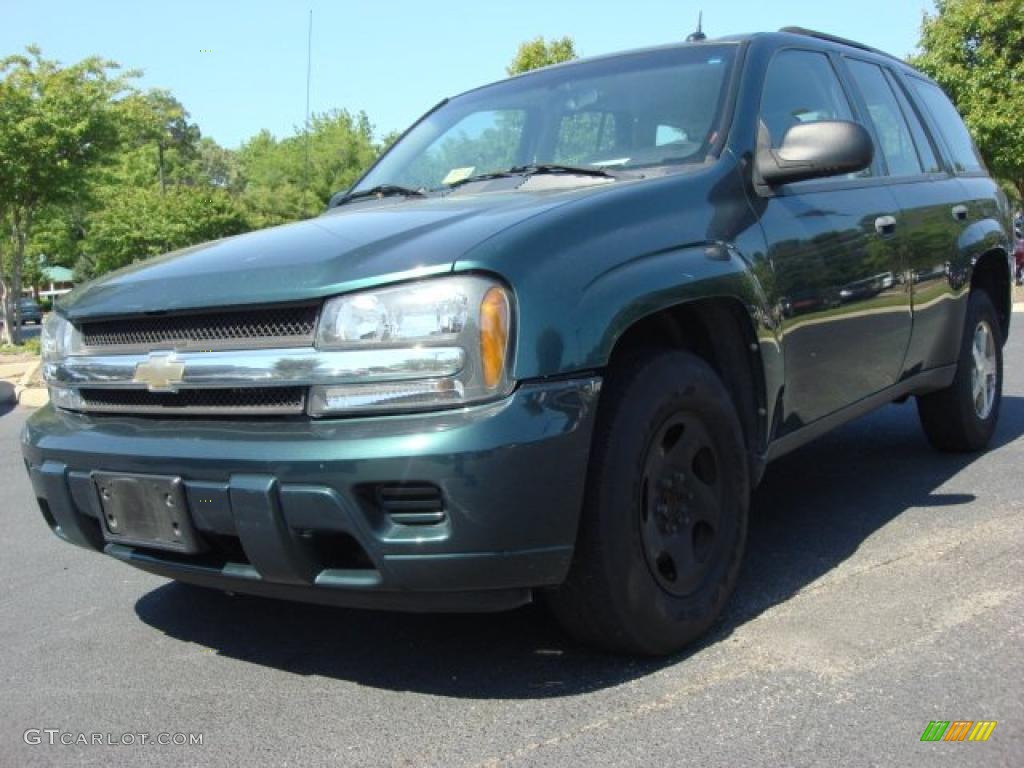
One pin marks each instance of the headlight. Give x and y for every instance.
(467, 317)
(56, 339)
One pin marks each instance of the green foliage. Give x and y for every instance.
(56, 124)
(975, 50)
(537, 53)
(156, 121)
(96, 175)
(218, 166)
(29, 347)
(279, 184)
(133, 223)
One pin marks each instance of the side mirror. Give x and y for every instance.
(816, 151)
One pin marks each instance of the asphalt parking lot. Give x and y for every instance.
(884, 588)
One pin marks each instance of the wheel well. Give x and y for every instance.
(721, 332)
(991, 274)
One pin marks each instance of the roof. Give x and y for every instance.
(784, 34)
(58, 274)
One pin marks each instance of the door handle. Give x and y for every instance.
(885, 225)
(960, 212)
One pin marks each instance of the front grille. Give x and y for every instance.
(221, 402)
(273, 326)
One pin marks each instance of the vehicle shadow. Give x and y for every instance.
(813, 510)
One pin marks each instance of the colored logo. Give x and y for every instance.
(958, 730)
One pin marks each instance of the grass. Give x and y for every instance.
(30, 347)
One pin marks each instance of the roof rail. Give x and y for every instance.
(836, 39)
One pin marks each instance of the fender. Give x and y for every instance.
(616, 299)
(981, 238)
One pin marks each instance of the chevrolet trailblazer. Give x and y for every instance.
(546, 346)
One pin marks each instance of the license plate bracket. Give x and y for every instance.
(146, 511)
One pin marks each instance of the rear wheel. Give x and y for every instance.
(665, 516)
(963, 416)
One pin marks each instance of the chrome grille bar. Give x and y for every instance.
(257, 368)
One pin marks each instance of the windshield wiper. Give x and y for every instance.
(535, 169)
(381, 191)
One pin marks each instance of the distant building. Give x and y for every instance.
(53, 282)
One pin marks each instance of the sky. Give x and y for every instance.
(239, 67)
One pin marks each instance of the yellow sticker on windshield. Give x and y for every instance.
(456, 175)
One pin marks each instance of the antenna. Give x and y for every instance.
(698, 36)
(309, 69)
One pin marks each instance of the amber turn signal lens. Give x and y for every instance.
(494, 314)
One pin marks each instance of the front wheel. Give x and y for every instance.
(665, 516)
(963, 416)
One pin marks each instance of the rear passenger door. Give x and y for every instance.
(836, 266)
(930, 200)
(974, 199)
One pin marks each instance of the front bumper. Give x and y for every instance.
(292, 509)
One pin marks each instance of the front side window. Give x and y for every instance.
(658, 109)
(800, 87)
(949, 123)
(891, 127)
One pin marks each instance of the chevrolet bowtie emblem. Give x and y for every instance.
(160, 373)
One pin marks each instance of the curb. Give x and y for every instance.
(31, 397)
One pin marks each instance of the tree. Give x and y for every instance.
(279, 186)
(218, 166)
(537, 53)
(56, 123)
(974, 49)
(168, 188)
(156, 121)
(131, 224)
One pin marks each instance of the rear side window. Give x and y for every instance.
(925, 150)
(891, 126)
(947, 121)
(801, 87)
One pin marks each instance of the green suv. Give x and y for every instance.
(546, 346)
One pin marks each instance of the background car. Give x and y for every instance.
(29, 312)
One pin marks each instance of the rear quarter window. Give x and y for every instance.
(950, 126)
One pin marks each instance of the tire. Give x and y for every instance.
(962, 418)
(664, 522)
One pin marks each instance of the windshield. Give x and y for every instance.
(644, 110)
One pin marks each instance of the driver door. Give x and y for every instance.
(839, 281)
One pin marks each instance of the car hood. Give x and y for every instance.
(344, 249)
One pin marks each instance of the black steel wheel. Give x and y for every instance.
(664, 521)
(680, 504)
